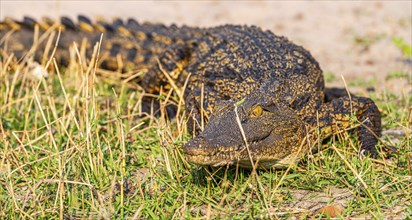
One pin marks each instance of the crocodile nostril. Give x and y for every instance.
(193, 147)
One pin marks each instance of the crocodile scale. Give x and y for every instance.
(252, 98)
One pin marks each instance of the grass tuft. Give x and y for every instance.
(77, 145)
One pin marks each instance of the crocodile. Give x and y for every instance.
(252, 98)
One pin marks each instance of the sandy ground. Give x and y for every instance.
(349, 38)
(352, 39)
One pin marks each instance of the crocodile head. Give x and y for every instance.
(272, 131)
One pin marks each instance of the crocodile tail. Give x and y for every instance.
(36, 39)
(124, 44)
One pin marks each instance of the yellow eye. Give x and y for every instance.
(257, 111)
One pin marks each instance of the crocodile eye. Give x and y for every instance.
(257, 111)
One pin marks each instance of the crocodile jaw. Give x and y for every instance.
(241, 158)
(273, 136)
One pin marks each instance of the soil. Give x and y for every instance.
(352, 40)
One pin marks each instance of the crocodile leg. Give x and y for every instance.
(169, 70)
(346, 112)
(163, 75)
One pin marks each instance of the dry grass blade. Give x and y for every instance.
(358, 176)
(77, 145)
(254, 164)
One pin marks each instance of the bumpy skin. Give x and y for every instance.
(259, 97)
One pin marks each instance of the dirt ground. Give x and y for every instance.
(352, 39)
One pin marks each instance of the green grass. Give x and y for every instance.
(79, 147)
(404, 47)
